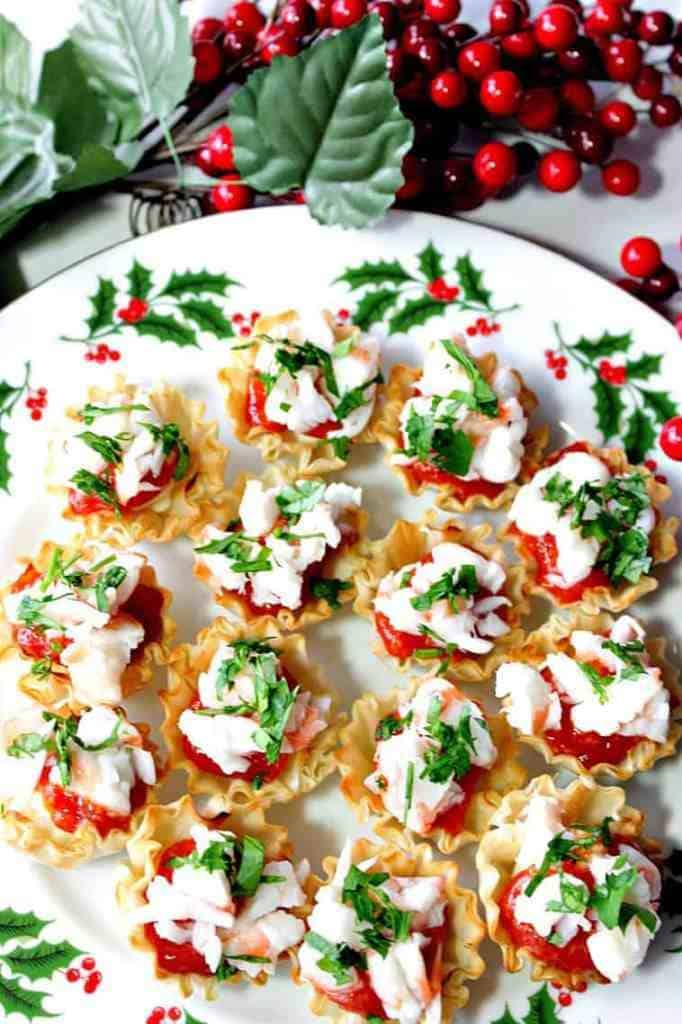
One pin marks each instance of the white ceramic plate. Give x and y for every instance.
(281, 258)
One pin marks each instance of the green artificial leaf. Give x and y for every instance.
(15, 925)
(431, 263)
(27, 1002)
(29, 162)
(606, 345)
(415, 312)
(140, 280)
(471, 281)
(95, 165)
(5, 473)
(66, 98)
(103, 303)
(644, 367)
(541, 1008)
(208, 316)
(608, 407)
(639, 438)
(373, 307)
(137, 56)
(167, 328)
(15, 62)
(42, 960)
(197, 282)
(660, 403)
(329, 122)
(381, 272)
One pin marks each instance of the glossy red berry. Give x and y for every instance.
(539, 109)
(577, 58)
(219, 144)
(442, 11)
(661, 286)
(322, 11)
(618, 118)
(414, 175)
(621, 177)
(276, 43)
(448, 89)
(500, 93)
(505, 17)
(387, 15)
(577, 95)
(296, 18)
(675, 60)
(175, 1013)
(656, 28)
(495, 165)
(345, 13)
(476, 60)
(671, 438)
(207, 30)
(606, 18)
(641, 257)
(623, 60)
(586, 137)
(559, 170)
(665, 111)
(416, 33)
(237, 45)
(630, 286)
(244, 16)
(431, 54)
(230, 194)
(208, 62)
(520, 45)
(556, 27)
(649, 83)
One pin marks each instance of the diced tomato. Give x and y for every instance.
(452, 820)
(182, 848)
(29, 576)
(426, 473)
(145, 604)
(256, 397)
(324, 429)
(543, 551)
(360, 999)
(35, 644)
(88, 504)
(68, 810)
(176, 957)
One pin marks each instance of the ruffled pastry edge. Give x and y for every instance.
(407, 542)
(583, 801)
(185, 503)
(305, 769)
(160, 827)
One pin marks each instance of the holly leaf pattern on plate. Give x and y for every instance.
(139, 281)
(506, 1018)
(190, 1019)
(415, 312)
(208, 316)
(5, 473)
(373, 307)
(660, 403)
(103, 302)
(541, 1008)
(380, 272)
(431, 263)
(644, 367)
(608, 407)
(639, 437)
(471, 281)
(197, 282)
(41, 960)
(27, 1002)
(606, 345)
(166, 328)
(14, 925)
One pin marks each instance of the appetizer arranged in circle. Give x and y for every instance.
(288, 551)
(429, 761)
(589, 528)
(248, 716)
(391, 936)
(73, 785)
(135, 464)
(460, 425)
(92, 619)
(568, 884)
(441, 593)
(215, 900)
(304, 386)
(593, 694)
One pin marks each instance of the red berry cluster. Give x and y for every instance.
(135, 311)
(557, 363)
(36, 401)
(93, 977)
(101, 353)
(442, 291)
(448, 78)
(610, 374)
(244, 324)
(650, 278)
(160, 1014)
(483, 327)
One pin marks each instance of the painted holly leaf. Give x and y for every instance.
(327, 121)
(103, 302)
(208, 316)
(471, 281)
(606, 345)
(5, 477)
(197, 282)
(380, 272)
(42, 960)
(541, 1008)
(166, 328)
(415, 312)
(431, 263)
(7, 393)
(28, 1002)
(608, 407)
(644, 367)
(190, 1019)
(506, 1018)
(660, 403)
(639, 437)
(373, 307)
(139, 281)
(14, 925)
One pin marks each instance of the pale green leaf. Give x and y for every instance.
(95, 165)
(64, 96)
(15, 62)
(29, 163)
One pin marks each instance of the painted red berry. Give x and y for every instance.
(665, 111)
(345, 13)
(114, 355)
(92, 982)
(175, 1013)
(495, 165)
(539, 109)
(565, 999)
(89, 356)
(618, 118)
(448, 89)
(207, 30)
(621, 177)
(230, 194)
(442, 11)
(244, 16)
(72, 975)
(561, 374)
(476, 60)
(500, 93)
(157, 1015)
(641, 257)
(556, 27)
(208, 62)
(472, 331)
(89, 963)
(343, 314)
(671, 439)
(42, 392)
(559, 170)
(254, 316)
